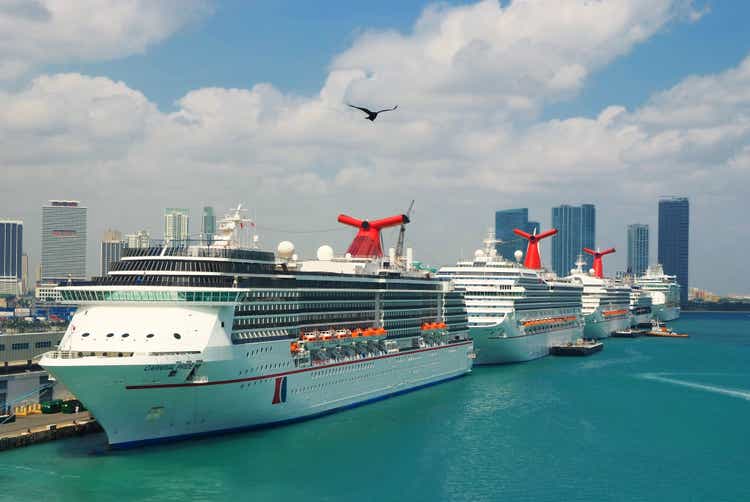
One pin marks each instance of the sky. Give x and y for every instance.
(135, 106)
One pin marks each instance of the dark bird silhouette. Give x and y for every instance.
(371, 115)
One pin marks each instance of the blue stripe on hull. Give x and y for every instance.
(169, 439)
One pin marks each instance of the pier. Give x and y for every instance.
(34, 429)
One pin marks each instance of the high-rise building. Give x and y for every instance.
(505, 222)
(674, 238)
(637, 249)
(111, 250)
(63, 240)
(140, 239)
(24, 273)
(208, 224)
(176, 225)
(576, 227)
(11, 253)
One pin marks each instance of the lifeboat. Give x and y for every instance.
(309, 337)
(442, 325)
(294, 347)
(380, 331)
(326, 335)
(356, 333)
(369, 332)
(341, 334)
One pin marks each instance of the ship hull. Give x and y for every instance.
(599, 326)
(638, 320)
(146, 402)
(664, 313)
(503, 344)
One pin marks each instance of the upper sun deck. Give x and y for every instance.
(198, 251)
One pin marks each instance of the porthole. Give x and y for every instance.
(150, 335)
(110, 335)
(85, 335)
(177, 336)
(125, 335)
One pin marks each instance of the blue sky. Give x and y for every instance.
(510, 106)
(291, 43)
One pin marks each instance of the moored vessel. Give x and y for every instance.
(515, 313)
(664, 291)
(187, 340)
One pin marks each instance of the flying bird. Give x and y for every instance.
(371, 115)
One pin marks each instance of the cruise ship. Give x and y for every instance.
(606, 303)
(515, 314)
(664, 292)
(640, 307)
(185, 340)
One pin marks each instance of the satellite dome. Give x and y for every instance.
(285, 250)
(325, 253)
(592, 271)
(518, 255)
(478, 253)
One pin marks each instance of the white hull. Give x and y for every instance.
(138, 402)
(664, 314)
(492, 347)
(599, 326)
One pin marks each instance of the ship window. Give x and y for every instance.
(150, 335)
(125, 335)
(110, 335)
(85, 335)
(177, 336)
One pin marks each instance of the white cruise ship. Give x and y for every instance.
(183, 341)
(606, 304)
(514, 313)
(664, 292)
(640, 307)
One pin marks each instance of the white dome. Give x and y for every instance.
(518, 255)
(478, 253)
(592, 271)
(285, 250)
(325, 253)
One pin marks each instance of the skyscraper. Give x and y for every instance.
(63, 240)
(176, 225)
(637, 249)
(11, 254)
(140, 239)
(576, 227)
(111, 250)
(674, 238)
(208, 225)
(505, 222)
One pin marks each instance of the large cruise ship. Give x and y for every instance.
(188, 340)
(606, 303)
(515, 314)
(640, 307)
(664, 292)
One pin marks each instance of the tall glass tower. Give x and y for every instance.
(11, 256)
(176, 225)
(505, 222)
(637, 249)
(63, 241)
(576, 227)
(674, 238)
(208, 225)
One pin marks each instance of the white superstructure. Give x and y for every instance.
(641, 313)
(514, 313)
(664, 292)
(606, 304)
(181, 341)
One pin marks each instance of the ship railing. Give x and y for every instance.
(77, 354)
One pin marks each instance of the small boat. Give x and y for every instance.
(580, 347)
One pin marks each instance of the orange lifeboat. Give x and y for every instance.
(356, 333)
(341, 334)
(309, 337)
(325, 336)
(294, 347)
(442, 325)
(380, 331)
(369, 332)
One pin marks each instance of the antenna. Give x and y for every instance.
(402, 233)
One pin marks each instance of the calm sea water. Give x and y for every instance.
(646, 419)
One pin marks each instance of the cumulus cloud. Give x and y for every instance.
(466, 139)
(36, 32)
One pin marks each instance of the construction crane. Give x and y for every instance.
(402, 233)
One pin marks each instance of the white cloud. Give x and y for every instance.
(36, 32)
(465, 140)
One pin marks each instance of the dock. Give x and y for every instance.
(34, 429)
(578, 348)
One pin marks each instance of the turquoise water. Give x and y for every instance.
(646, 419)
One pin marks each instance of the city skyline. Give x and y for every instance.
(576, 229)
(498, 112)
(638, 248)
(505, 221)
(674, 240)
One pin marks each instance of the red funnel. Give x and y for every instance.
(367, 241)
(598, 266)
(533, 260)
